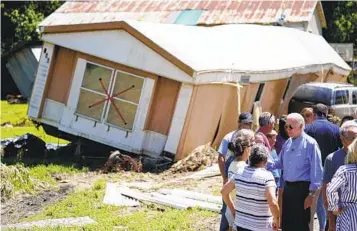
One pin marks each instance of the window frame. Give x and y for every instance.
(354, 92)
(99, 93)
(107, 103)
(335, 94)
(123, 100)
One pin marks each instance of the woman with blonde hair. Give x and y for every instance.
(342, 192)
(308, 115)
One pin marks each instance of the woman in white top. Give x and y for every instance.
(240, 147)
(256, 207)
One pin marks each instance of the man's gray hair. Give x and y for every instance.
(348, 125)
(297, 117)
(356, 113)
(266, 118)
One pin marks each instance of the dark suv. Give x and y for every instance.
(340, 98)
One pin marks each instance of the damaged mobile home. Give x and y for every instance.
(151, 88)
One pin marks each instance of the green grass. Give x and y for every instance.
(89, 203)
(16, 115)
(45, 173)
(17, 178)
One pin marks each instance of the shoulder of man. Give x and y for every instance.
(230, 135)
(309, 139)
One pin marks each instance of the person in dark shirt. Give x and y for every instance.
(327, 135)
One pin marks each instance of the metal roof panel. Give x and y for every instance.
(214, 12)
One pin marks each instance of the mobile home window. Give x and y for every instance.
(109, 96)
(341, 97)
(126, 95)
(92, 91)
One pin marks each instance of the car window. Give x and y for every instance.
(341, 97)
(354, 97)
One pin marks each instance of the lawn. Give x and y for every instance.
(148, 217)
(16, 116)
(18, 178)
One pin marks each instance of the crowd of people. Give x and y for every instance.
(276, 180)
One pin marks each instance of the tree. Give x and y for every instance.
(341, 19)
(20, 20)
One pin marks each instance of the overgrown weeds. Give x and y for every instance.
(18, 178)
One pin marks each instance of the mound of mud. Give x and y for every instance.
(202, 156)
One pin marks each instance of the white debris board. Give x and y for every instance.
(113, 196)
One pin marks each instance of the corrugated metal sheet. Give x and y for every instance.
(213, 12)
(22, 66)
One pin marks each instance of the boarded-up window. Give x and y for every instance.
(109, 98)
(92, 103)
(126, 95)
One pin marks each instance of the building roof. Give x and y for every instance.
(187, 12)
(215, 51)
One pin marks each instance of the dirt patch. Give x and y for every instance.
(201, 157)
(16, 209)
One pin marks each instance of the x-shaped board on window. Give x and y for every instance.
(110, 98)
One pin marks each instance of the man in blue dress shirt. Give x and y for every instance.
(300, 160)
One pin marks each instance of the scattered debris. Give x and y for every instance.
(177, 198)
(191, 203)
(71, 221)
(118, 161)
(192, 195)
(147, 197)
(201, 157)
(16, 99)
(139, 185)
(205, 173)
(113, 196)
(26, 145)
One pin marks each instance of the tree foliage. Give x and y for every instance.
(341, 19)
(20, 20)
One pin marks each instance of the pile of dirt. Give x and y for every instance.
(203, 156)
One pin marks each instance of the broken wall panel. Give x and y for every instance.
(163, 105)
(272, 95)
(202, 119)
(249, 96)
(229, 116)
